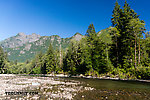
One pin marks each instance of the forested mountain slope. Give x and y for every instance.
(23, 47)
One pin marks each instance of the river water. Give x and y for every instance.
(114, 90)
(64, 88)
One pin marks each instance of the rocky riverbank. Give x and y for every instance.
(102, 77)
(43, 88)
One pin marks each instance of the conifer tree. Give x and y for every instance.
(126, 37)
(37, 64)
(91, 35)
(125, 44)
(115, 32)
(96, 59)
(50, 60)
(43, 68)
(2, 60)
(136, 27)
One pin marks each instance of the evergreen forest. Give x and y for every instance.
(122, 50)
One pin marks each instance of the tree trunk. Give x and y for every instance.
(107, 53)
(60, 56)
(117, 51)
(131, 59)
(139, 54)
(135, 52)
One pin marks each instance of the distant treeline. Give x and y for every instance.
(119, 51)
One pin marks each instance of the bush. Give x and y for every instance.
(143, 73)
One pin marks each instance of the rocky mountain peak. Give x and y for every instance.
(21, 34)
(35, 35)
(78, 36)
(19, 40)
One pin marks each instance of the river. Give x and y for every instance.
(65, 88)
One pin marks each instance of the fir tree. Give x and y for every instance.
(136, 27)
(50, 60)
(2, 60)
(115, 34)
(91, 35)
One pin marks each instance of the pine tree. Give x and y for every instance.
(116, 15)
(114, 49)
(91, 31)
(91, 36)
(115, 32)
(125, 40)
(70, 62)
(100, 63)
(58, 59)
(43, 68)
(127, 37)
(96, 52)
(145, 56)
(50, 60)
(2, 60)
(137, 27)
(37, 64)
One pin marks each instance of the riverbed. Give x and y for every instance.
(23, 87)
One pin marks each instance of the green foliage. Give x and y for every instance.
(3, 59)
(50, 60)
(20, 68)
(143, 73)
(118, 51)
(91, 31)
(73, 61)
(43, 64)
(88, 56)
(126, 37)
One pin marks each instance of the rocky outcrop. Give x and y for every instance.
(78, 37)
(19, 40)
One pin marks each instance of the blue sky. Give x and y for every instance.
(61, 17)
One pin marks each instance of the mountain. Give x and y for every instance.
(19, 40)
(105, 35)
(24, 47)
